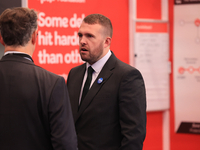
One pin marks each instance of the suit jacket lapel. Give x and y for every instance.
(75, 102)
(105, 73)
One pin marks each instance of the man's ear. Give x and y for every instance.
(107, 42)
(34, 37)
(1, 40)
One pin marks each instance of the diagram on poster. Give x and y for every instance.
(187, 68)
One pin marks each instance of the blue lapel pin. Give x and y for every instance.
(100, 80)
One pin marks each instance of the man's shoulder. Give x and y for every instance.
(77, 68)
(122, 65)
(45, 73)
(124, 68)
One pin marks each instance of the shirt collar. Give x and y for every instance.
(97, 66)
(10, 52)
(27, 56)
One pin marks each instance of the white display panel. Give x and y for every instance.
(151, 50)
(187, 68)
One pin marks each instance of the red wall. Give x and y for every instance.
(154, 137)
(45, 54)
(154, 134)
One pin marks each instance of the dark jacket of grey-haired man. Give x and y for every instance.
(35, 111)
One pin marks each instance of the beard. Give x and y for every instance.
(92, 56)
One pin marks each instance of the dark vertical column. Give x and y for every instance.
(4, 5)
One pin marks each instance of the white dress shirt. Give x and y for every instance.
(97, 66)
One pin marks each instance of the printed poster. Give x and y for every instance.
(57, 48)
(187, 66)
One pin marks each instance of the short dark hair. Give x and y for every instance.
(17, 25)
(100, 19)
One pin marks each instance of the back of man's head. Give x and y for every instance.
(17, 25)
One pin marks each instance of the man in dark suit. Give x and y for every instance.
(111, 115)
(35, 111)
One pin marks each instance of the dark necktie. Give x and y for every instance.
(87, 82)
